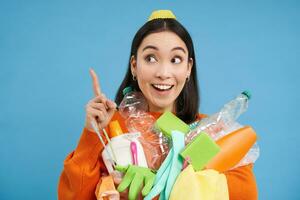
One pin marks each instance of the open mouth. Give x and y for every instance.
(161, 87)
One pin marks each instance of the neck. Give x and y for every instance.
(161, 109)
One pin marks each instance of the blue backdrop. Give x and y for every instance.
(47, 47)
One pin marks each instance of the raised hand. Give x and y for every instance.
(99, 109)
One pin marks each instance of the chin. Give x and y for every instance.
(163, 105)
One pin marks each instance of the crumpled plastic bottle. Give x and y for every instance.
(133, 108)
(225, 122)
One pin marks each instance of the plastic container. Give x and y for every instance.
(218, 124)
(133, 108)
(121, 144)
(234, 147)
(233, 109)
(132, 103)
(225, 122)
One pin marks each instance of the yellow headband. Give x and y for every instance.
(161, 14)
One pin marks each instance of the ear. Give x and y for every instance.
(133, 65)
(190, 65)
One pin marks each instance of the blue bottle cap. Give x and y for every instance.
(127, 90)
(247, 94)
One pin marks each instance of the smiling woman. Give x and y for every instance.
(162, 57)
(161, 69)
(162, 66)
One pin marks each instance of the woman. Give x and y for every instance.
(162, 66)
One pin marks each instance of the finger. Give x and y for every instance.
(100, 99)
(121, 168)
(96, 85)
(126, 181)
(148, 185)
(135, 186)
(97, 113)
(110, 104)
(99, 106)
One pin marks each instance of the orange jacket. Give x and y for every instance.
(84, 166)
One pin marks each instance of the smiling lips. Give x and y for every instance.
(162, 87)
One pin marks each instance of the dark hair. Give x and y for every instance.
(187, 103)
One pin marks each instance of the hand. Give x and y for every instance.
(99, 109)
(136, 177)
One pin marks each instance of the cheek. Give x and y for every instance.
(181, 76)
(144, 73)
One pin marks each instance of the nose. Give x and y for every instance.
(163, 71)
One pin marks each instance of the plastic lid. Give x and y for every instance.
(127, 90)
(114, 129)
(247, 94)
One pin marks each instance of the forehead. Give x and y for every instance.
(164, 41)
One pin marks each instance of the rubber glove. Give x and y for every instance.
(136, 177)
(177, 161)
(169, 170)
(161, 177)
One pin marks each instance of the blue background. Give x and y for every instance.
(47, 47)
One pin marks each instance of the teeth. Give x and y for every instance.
(162, 87)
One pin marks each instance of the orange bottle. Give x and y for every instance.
(234, 147)
(114, 129)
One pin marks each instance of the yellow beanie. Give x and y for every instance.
(161, 14)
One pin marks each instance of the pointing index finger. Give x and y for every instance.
(96, 85)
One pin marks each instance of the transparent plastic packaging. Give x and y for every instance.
(223, 120)
(134, 108)
(223, 123)
(132, 104)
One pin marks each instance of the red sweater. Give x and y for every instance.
(84, 166)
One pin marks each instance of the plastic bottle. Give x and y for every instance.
(225, 120)
(226, 123)
(233, 147)
(134, 109)
(133, 103)
(233, 109)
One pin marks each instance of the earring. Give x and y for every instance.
(187, 79)
(133, 78)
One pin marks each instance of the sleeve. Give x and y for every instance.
(82, 168)
(241, 183)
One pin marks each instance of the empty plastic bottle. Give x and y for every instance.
(134, 108)
(233, 109)
(224, 120)
(133, 103)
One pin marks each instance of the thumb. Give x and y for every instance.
(121, 168)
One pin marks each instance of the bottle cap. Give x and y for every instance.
(114, 129)
(247, 94)
(127, 90)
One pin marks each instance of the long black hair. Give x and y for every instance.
(187, 103)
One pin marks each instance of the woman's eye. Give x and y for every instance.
(151, 59)
(176, 60)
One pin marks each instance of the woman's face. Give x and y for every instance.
(161, 68)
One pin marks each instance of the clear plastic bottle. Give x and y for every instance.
(133, 103)
(233, 109)
(133, 108)
(224, 120)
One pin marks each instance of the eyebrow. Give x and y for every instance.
(155, 48)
